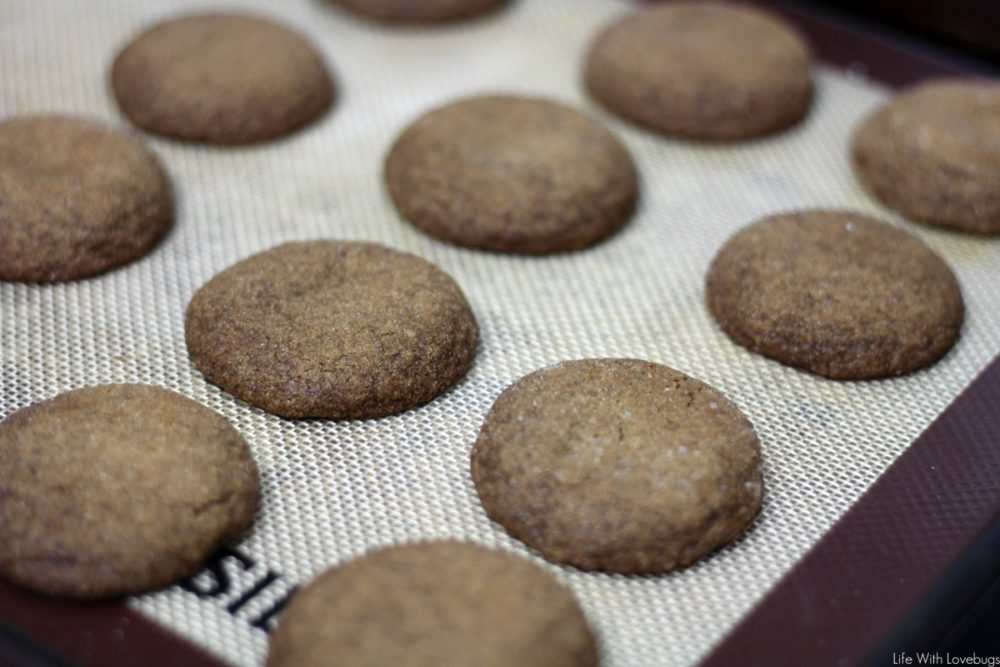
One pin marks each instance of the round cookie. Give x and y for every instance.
(512, 174)
(119, 489)
(419, 11)
(221, 78)
(76, 199)
(332, 329)
(619, 465)
(433, 604)
(933, 154)
(835, 293)
(704, 70)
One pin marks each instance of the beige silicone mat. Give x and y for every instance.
(335, 489)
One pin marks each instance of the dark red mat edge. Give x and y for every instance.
(859, 584)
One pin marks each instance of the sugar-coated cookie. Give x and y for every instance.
(332, 329)
(433, 604)
(221, 78)
(837, 293)
(619, 465)
(512, 174)
(703, 70)
(76, 199)
(933, 154)
(119, 489)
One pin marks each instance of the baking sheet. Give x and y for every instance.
(332, 490)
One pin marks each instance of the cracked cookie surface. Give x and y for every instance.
(619, 465)
(332, 329)
(836, 293)
(119, 489)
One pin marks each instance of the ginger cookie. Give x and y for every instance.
(512, 174)
(933, 154)
(119, 489)
(619, 465)
(332, 329)
(433, 604)
(836, 293)
(76, 199)
(419, 11)
(703, 70)
(221, 78)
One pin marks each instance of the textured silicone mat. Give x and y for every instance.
(335, 489)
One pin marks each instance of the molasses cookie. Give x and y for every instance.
(933, 154)
(332, 329)
(619, 465)
(76, 199)
(836, 293)
(512, 174)
(119, 489)
(704, 70)
(419, 11)
(433, 604)
(221, 78)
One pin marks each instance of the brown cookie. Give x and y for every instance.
(933, 154)
(76, 199)
(419, 11)
(119, 489)
(433, 604)
(836, 293)
(704, 70)
(332, 329)
(619, 465)
(512, 174)
(221, 78)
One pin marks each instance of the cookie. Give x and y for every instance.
(76, 199)
(933, 154)
(703, 70)
(419, 11)
(119, 489)
(332, 329)
(512, 174)
(222, 79)
(433, 604)
(619, 465)
(836, 293)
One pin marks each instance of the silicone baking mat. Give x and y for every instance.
(333, 490)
